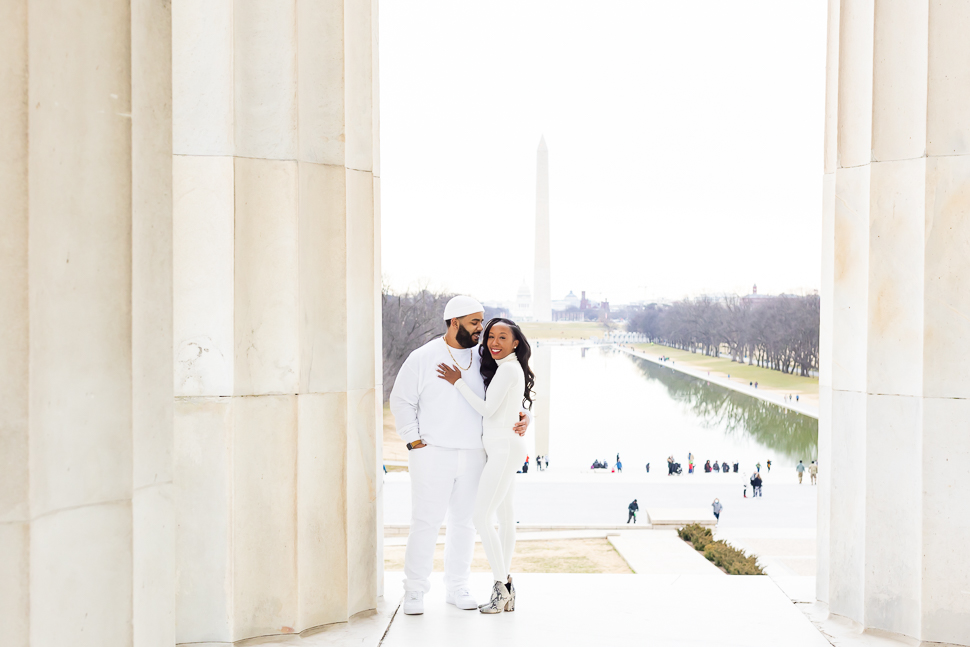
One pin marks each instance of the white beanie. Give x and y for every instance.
(462, 306)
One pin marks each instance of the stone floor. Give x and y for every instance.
(557, 609)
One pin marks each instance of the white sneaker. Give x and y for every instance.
(414, 603)
(461, 599)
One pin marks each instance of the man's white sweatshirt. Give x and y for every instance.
(428, 408)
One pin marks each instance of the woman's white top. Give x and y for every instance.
(503, 398)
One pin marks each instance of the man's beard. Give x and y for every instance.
(464, 338)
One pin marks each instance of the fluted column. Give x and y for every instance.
(14, 327)
(895, 318)
(945, 610)
(276, 327)
(830, 163)
(849, 318)
(892, 523)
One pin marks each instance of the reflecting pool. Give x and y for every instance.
(603, 401)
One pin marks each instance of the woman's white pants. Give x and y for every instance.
(506, 454)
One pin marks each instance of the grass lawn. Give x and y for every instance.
(535, 556)
(563, 330)
(765, 377)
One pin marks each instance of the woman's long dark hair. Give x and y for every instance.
(522, 352)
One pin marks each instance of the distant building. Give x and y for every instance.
(604, 311)
(523, 303)
(567, 302)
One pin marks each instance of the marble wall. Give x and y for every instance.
(189, 320)
(894, 385)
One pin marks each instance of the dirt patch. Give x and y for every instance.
(535, 556)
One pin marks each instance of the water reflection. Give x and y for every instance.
(786, 432)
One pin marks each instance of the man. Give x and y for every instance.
(446, 457)
(632, 510)
(813, 471)
(800, 468)
(717, 509)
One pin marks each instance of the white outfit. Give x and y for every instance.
(445, 474)
(506, 453)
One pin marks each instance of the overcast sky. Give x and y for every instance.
(685, 145)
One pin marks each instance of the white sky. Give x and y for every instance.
(685, 144)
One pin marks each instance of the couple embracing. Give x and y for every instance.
(461, 408)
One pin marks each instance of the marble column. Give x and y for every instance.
(14, 329)
(276, 328)
(892, 521)
(830, 163)
(189, 320)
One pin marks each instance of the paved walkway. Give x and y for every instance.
(619, 610)
(662, 552)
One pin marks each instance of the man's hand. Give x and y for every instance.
(521, 426)
(418, 445)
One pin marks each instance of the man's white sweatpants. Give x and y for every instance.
(442, 481)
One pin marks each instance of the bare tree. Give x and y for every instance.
(780, 332)
(409, 321)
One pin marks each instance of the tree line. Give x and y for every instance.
(780, 332)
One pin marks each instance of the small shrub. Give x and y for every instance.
(732, 560)
(697, 535)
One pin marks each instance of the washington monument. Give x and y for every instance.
(542, 294)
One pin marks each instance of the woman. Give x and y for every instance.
(508, 382)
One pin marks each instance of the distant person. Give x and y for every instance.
(735, 468)
(800, 468)
(539, 463)
(768, 465)
(756, 385)
(690, 466)
(617, 457)
(756, 483)
(813, 471)
(632, 510)
(796, 398)
(757, 466)
(725, 468)
(707, 467)
(670, 465)
(745, 490)
(717, 466)
(717, 510)
(545, 461)
(619, 466)
(525, 468)
(648, 468)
